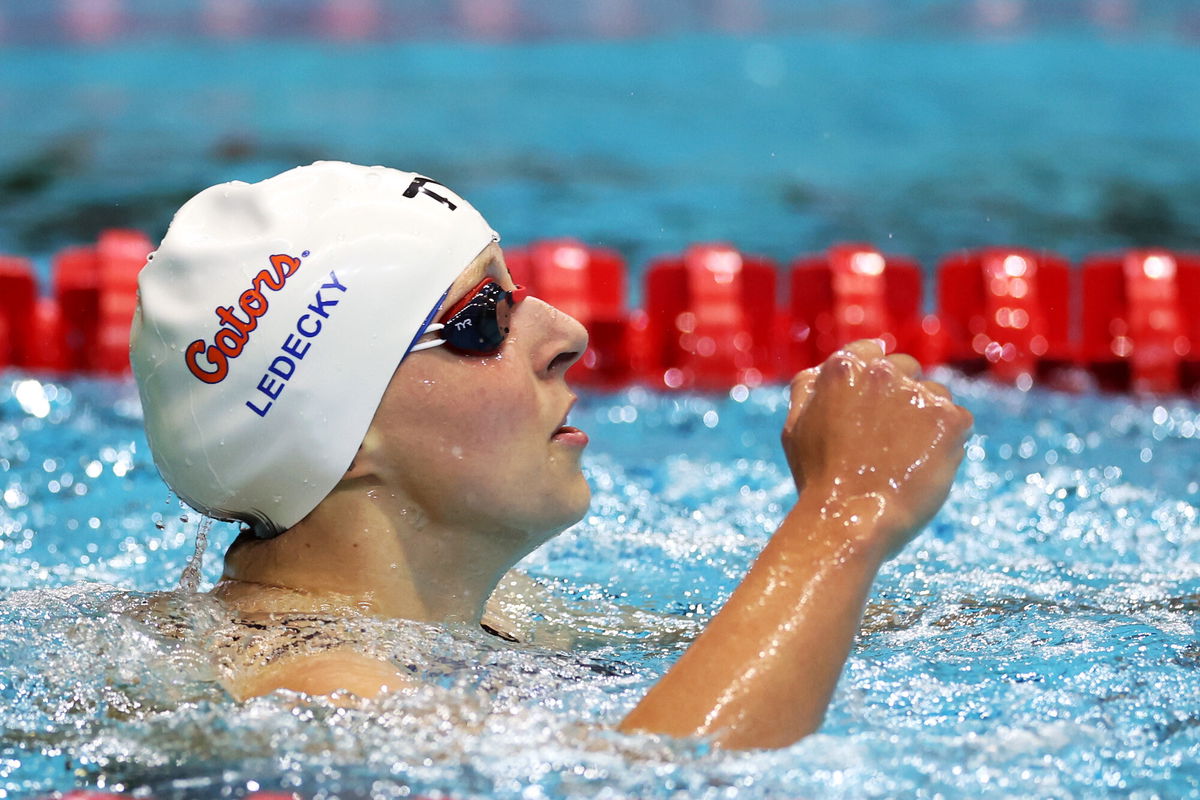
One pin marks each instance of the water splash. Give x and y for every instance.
(189, 581)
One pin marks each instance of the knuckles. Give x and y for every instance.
(865, 360)
(880, 369)
(841, 364)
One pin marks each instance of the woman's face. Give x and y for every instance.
(472, 439)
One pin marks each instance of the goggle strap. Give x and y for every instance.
(426, 345)
(435, 327)
(426, 325)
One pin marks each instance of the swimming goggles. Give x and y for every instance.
(478, 324)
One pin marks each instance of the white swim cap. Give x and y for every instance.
(271, 319)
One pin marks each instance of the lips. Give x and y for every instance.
(569, 434)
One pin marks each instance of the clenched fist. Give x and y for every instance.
(865, 436)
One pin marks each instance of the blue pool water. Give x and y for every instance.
(1040, 639)
(780, 144)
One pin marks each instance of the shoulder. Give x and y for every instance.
(311, 654)
(339, 670)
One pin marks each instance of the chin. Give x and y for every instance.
(569, 509)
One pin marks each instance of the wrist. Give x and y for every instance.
(851, 526)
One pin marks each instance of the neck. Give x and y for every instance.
(379, 554)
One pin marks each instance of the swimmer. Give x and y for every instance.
(338, 358)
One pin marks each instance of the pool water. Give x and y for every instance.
(781, 144)
(1041, 638)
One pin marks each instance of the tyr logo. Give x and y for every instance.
(419, 186)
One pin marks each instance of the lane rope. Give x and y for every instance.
(716, 317)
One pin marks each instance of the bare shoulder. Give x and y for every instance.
(320, 673)
(309, 653)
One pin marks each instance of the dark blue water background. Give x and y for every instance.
(780, 144)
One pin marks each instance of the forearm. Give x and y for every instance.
(763, 671)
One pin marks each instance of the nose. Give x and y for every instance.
(557, 339)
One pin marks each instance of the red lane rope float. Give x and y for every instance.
(77, 290)
(851, 292)
(121, 254)
(711, 319)
(47, 348)
(1006, 310)
(1141, 320)
(83, 326)
(18, 294)
(589, 283)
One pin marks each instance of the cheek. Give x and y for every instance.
(481, 416)
(472, 442)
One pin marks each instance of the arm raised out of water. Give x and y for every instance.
(873, 450)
